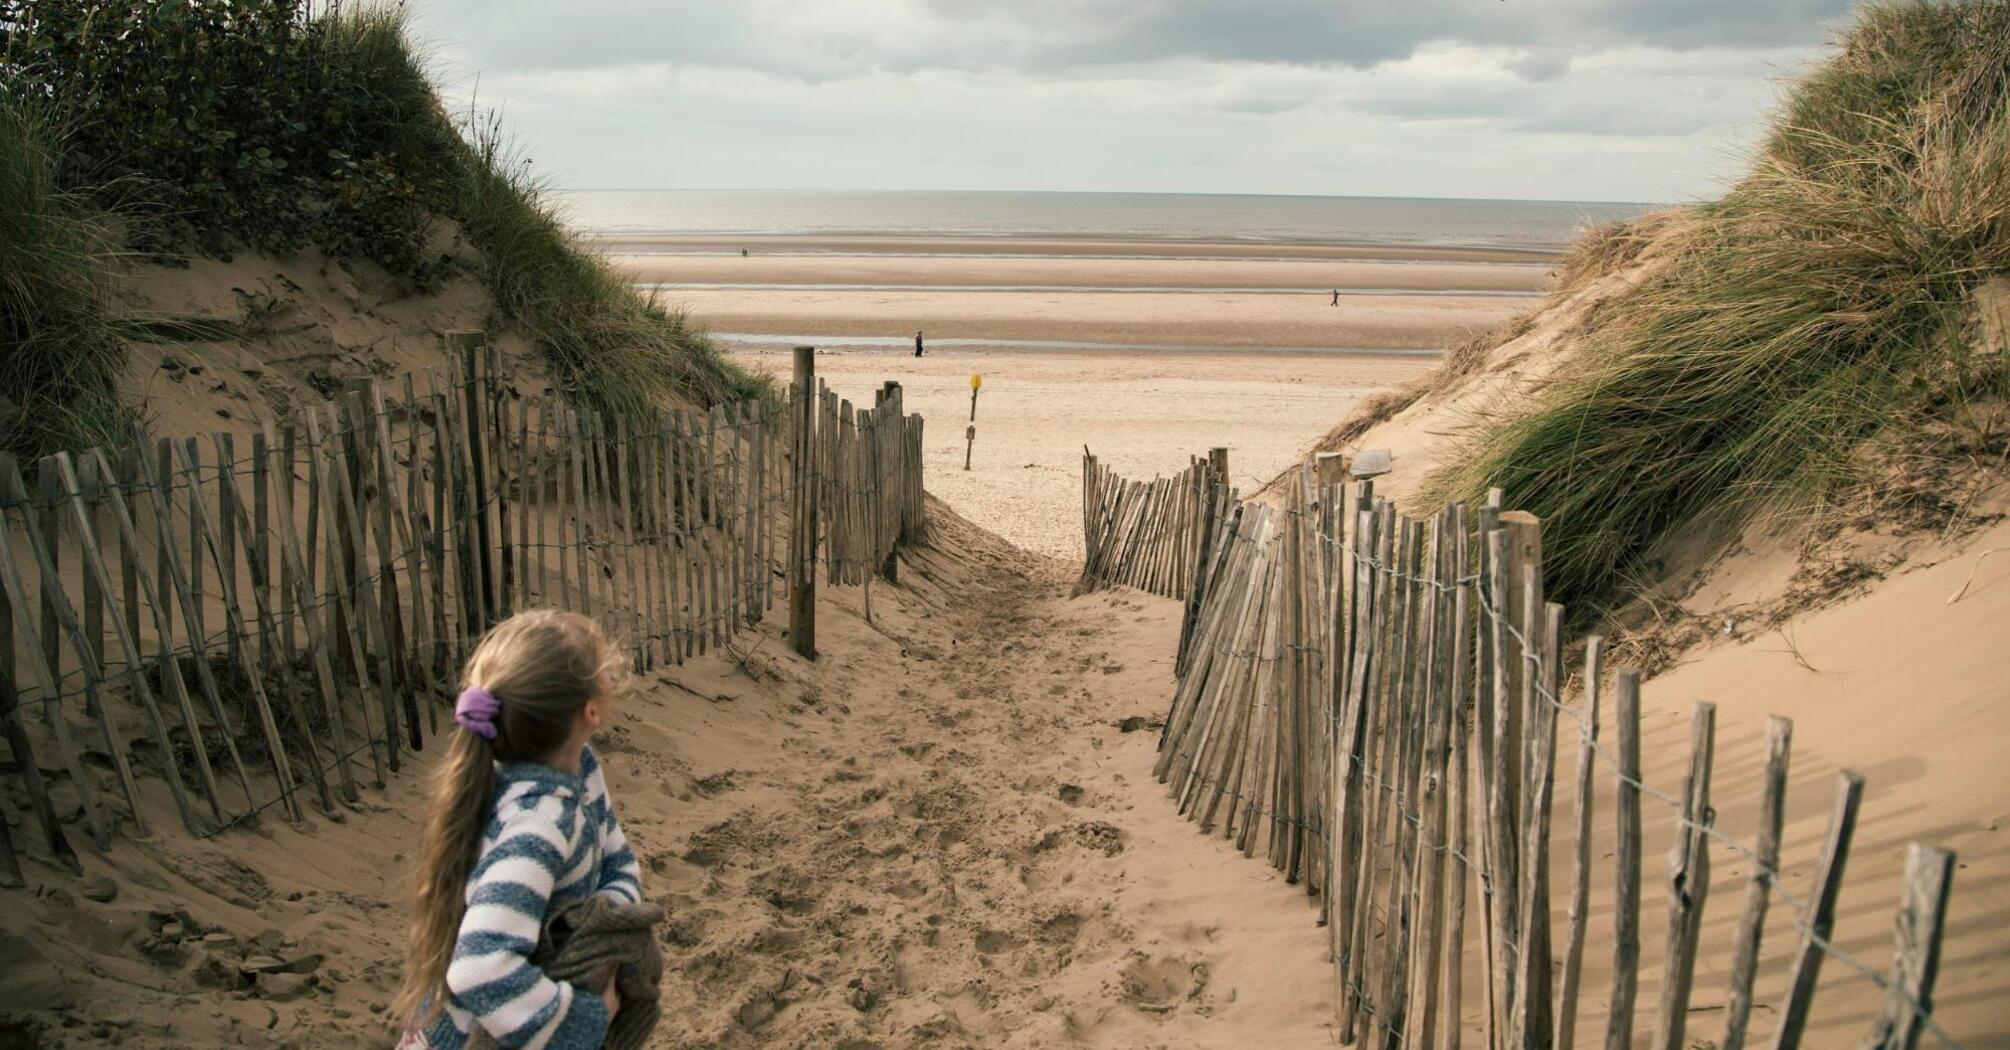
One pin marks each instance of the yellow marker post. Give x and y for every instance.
(970, 432)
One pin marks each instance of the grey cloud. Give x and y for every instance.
(1443, 102)
(1618, 120)
(1600, 99)
(1540, 64)
(828, 39)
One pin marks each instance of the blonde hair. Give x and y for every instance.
(542, 666)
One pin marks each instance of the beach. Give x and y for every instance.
(1146, 351)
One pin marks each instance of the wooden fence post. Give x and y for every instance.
(1626, 866)
(1828, 883)
(468, 347)
(1929, 873)
(1688, 884)
(803, 510)
(1580, 884)
(1745, 950)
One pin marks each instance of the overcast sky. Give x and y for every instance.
(1636, 100)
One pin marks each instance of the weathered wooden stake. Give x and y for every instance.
(803, 511)
(1828, 884)
(1626, 866)
(1908, 1000)
(1745, 950)
(1688, 883)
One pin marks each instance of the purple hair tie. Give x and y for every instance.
(476, 711)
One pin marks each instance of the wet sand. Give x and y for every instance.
(843, 244)
(1145, 351)
(1100, 292)
(1317, 276)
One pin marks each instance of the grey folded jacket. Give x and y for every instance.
(581, 940)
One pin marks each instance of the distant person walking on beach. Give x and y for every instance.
(1336, 297)
(917, 344)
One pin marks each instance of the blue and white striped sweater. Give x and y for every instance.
(552, 837)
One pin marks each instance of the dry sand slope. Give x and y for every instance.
(945, 834)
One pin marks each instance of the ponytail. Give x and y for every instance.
(462, 788)
(535, 670)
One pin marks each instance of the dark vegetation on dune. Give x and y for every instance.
(1817, 317)
(207, 127)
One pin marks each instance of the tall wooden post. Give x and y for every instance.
(887, 498)
(803, 511)
(1330, 468)
(475, 377)
(1218, 459)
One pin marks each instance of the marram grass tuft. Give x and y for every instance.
(60, 351)
(1821, 302)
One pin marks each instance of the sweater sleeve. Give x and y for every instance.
(491, 975)
(620, 873)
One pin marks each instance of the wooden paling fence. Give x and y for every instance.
(272, 626)
(872, 483)
(1149, 535)
(1377, 703)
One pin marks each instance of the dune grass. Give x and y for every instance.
(60, 347)
(278, 125)
(1824, 301)
(606, 342)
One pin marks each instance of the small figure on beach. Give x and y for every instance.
(917, 344)
(1336, 297)
(743, 253)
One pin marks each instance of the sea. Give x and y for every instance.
(1394, 221)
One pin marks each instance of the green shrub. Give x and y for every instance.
(243, 123)
(60, 352)
(1821, 302)
(268, 125)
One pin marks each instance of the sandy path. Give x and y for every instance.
(944, 834)
(962, 846)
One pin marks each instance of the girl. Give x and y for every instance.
(520, 821)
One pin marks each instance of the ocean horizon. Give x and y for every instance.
(1257, 218)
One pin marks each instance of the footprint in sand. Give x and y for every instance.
(1162, 983)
